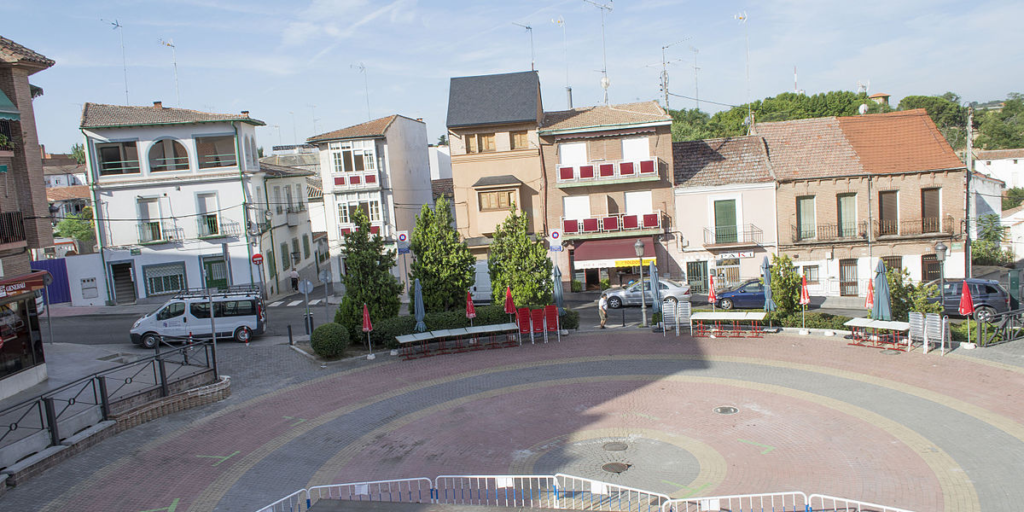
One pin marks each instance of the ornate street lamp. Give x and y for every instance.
(639, 248)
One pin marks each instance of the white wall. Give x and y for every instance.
(1010, 170)
(440, 162)
(986, 199)
(82, 267)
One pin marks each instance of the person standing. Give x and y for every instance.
(294, 274)
(602, 308)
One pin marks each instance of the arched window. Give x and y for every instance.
(167, 155)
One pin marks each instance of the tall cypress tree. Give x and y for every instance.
(443, 262)
(518, 262)
(368, 280)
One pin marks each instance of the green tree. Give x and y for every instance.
(987, 252)
(78, 227)
(1014, 196)
(990, 228)
(443, 262)
(78, 153)
(947, 113)
(442, 140)
(690, 125)
(784, 107)
(905, 296)
(516, 261)
(1003, 129)
(368, 280)
(785, 285)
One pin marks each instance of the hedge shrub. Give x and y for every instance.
(329, 340)
(815, 320)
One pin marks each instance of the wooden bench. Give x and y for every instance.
(726, 324)
(463, 339)
(864, 333)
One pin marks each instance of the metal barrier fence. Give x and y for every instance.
(44, 421)
(795, 501)
(294, 502)
(823, 503)
(578, 493)
(533, 491)
(413, 490)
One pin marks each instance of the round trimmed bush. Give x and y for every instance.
(329, 340)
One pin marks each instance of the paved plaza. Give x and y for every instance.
(912, 430)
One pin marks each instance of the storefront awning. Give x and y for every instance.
(618, 252)
(7, 108)
(24, 283)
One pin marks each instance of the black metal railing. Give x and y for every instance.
(917, 226)
(12, 228)
(1002, 328)
(297, 208)
(6, 135)
(208, 226)
(738, 235)
(830, 232)
(69, 409)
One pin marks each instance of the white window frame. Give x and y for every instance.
(639, 193)
(569, 153)
(632, 145)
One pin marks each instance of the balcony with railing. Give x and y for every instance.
(153, 232)
(919, 227)
(6, 137)
(376, 228)
(208, 226)
(12, 230)
(359, 180)
(839, 232)
(613, 225)
(605, 172)
(746, 235)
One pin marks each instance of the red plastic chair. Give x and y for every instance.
(523, 319)
(537, 316)
(551, 319)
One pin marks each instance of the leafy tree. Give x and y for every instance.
(1014, 196)
(78, 227)
(785, 285)
(78, 153)
(518, 262)
(443, 262)
(905, 296)
(690, 125)
(990, 228)
(987, 252)
(259, 152)
(1003, 129)
(368, 280)
(442, 140)
(947, 113)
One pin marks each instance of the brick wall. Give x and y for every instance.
(26, 170)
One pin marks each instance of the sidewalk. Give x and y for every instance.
(67, 310)
(65, 363)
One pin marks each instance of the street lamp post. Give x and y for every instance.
(940, 255)
(639, 248)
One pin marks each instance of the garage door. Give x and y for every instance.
(165, 278)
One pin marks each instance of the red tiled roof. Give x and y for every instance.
(709, 162)
(375, 128)
(54, 194)
(14, 53)
(895, 142)
(98, 115)
(612, 115)
(998, 154)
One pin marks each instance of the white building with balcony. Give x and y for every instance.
(181, 202)
(380, 167)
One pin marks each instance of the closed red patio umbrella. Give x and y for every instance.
(367, 327)
(470, 310)
(510, 306)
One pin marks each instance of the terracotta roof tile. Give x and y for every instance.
(98, 115)
(998, 154)
(375, 128)
(314, 188)
(283, 171)
(13, 53)
(809, 147)
(54, 194)
(54, 168)
(612, 115)
(443, 187)
(702, 163)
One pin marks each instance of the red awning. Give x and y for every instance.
(614, 249)
(24, 283)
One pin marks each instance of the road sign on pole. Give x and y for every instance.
(403, 237)
(257, 259)
(306, 286)
(325, 277)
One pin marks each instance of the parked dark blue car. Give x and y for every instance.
(747, 295)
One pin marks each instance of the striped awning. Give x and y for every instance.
(7, 109)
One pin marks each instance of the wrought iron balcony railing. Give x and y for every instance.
(830, 232)
(746, 234)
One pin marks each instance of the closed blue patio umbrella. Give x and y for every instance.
(766, 271)
(655, 290)
(559, 299)
(882, 309)
(418, 307)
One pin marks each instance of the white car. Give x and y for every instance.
(630, 295)
(237, 315)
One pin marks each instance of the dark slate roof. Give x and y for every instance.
(710, 162)
(314, 189)
(492, 181)
(97, 115)
(494, 99)
(369, 129)
(14, 53)
(280, 171)
(443, 187)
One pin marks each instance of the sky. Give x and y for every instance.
(307, 67)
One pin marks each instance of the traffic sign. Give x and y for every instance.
(403, 250)
(257, 259)
(556, 235)
(555, 248)
(305, 286)
(403, 236)
(325, 275)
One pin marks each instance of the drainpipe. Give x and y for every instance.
(96, 216)
(245, 203)
(270, 229)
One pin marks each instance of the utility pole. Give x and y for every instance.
(124, 61)
(530, 30)
(970, 170)
(174, 59)
(565, 55)
(604, 51)
(664, 68)
(742, 17)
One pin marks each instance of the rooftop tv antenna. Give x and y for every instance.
(174, 59)
(863, 86)
(664, 67)
(124, 61)
(604, 51)
(530, 30)
(312, 114)
(565, 52)
(696, 89)
(742, 18)
(366, 87)
(279, 143)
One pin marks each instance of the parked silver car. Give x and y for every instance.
(630, 295)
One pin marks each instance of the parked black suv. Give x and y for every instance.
(989, 297)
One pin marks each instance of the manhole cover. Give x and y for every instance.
(615, 447)
(726, 410)
(615, 467)
(890, 352)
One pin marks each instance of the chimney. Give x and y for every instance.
(420, 119)
(158, 105)
(245, 113)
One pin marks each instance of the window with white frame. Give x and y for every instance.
(368, 202)
(167, 155)
(149, 220)
(343, 214)
(350, 156)
(811, 273)
(207, 218)
(573, 153)
(278, 203)
(576, 207)
(636, 148)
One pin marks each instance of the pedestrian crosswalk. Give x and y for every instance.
(293, 303)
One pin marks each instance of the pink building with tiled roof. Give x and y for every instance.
(1003, 164)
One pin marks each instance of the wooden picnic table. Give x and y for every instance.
(860, 335)
(731, 320)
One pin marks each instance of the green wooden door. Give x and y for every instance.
(725, 222)
(216, 272)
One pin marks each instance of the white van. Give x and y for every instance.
(237, 315)
(482, 286)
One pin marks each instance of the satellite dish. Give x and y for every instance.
(268, 214)
(605, 82)
(863, 108)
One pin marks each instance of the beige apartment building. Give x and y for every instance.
(495, 153)
(608, 175)
(853, 190)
